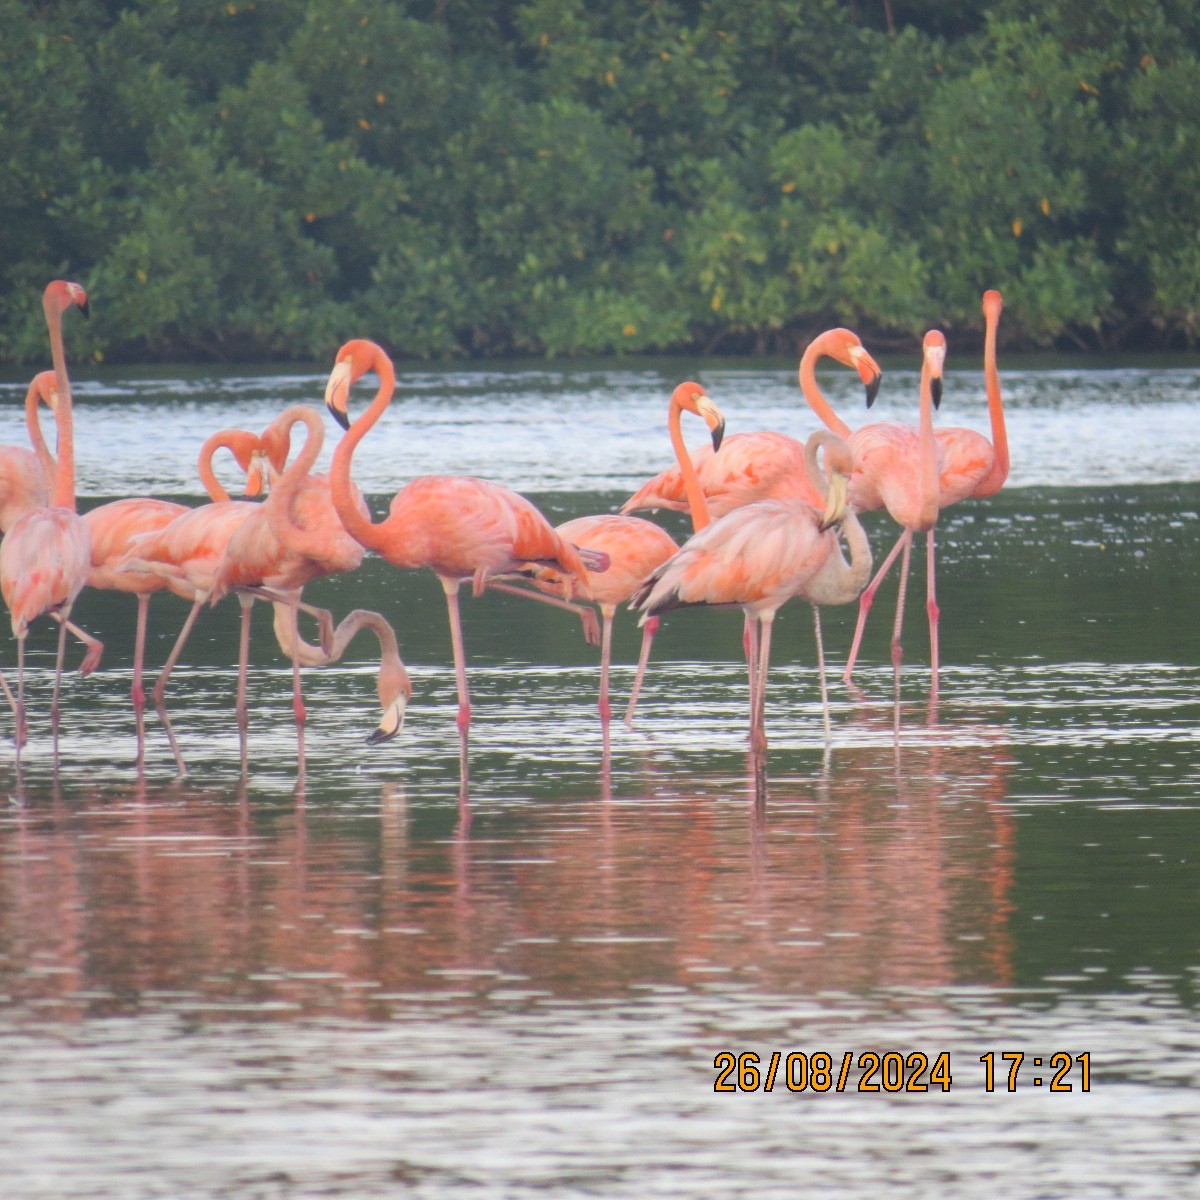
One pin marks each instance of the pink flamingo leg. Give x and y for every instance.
(605, 655)
(648, 631)
(241, 708)
(750, 648)
(864, 606)
(58, 666)
(758, 731)
(136, 692)
(95, 648)
(931, 607)
(160, 687)
(450, 586)
(297, 698)
(12, 700)
(591, 628)
(897, 649)
(821, 678)
(19, 734)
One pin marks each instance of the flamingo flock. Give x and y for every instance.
(773, 519)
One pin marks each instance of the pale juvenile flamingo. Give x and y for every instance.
(27, 476)
(459, 527)
(114, 527)
(968, 465)
(46, 555)
(634, 547)
(393, 684)
(759, 556)
(763, 465)
(291, 539)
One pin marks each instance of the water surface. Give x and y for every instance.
(407, 980)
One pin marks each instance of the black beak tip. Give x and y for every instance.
(718, 435)
(936, 388)
(340, 417)
(86, 309)
(378, 737)
(873, 390)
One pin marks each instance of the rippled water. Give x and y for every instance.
(413, 980)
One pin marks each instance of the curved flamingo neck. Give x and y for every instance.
(816, 440)
(227, 439)
(358, 525)
(930, 480)
(818, 348)
(34, 426)
(995, 478)
(64, 483)
(697, 504)
(279, 503)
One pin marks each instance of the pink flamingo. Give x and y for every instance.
(114, 527)
(27, 476)
(968, 465)
(755, 466)
(459, 527)
(393, 684)
(635, 547)
(288, 541)
(45, 556)
(759, 556)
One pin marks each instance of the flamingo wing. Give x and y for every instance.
(24, 484)
(44, 563)
(113, 527)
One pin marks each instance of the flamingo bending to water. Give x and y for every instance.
(459, 527)
(46, 555)
(759, 556)
(291, 539)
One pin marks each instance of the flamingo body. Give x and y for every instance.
(747, 467)
(187, 552)
(634, 548)
(889, 460)
(44, 562)
(113, 527)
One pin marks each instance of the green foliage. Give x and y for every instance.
(266, 177)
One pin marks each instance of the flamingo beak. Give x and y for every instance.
(868, 371)
(935, 389)
(85, 308)
(337, 393)
(835, 502)
(714, 418)
(256, 475)
(873, 388)
(391, 723)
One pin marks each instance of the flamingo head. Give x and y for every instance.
(45, 384)
(934, 350)
(354, 360)
(691, 397)
(275, 444)
(846, 347)
(395, 691)
(838, 467)
(245, 448)
(61, 295)
(993, 303)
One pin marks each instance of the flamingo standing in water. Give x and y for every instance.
(635, 547)
(114, 527)
(45, 556)
(968, 465)
(760, 555)
(27, 476)
(460, 527)
(291, 539)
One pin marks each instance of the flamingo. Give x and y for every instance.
(27, 476)
(114, 527)
(45, 556)
(761, 555)
(291, 539)
(634, 547)
(460, 527)
(968, 466)
(393, 683)
(763, 465)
